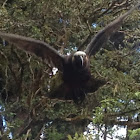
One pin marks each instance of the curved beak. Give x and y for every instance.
(82, 61)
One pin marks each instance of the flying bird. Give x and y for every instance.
(75, 68)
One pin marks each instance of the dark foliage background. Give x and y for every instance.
(25, 81)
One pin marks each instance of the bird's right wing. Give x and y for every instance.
(39, 48)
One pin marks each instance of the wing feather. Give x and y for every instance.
(102, 36)
(39, 48)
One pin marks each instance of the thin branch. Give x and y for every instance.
(38, 136)
(85, 42)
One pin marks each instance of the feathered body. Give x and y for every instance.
(76, 74)
(74, 71)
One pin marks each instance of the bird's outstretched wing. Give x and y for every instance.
(39, 48)
(102, 36)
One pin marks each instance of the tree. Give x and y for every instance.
(25, 80)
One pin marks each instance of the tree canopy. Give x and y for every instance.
(26, 111)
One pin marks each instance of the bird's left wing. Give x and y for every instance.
(39, 48)
(102, 36)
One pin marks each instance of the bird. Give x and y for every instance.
(75, 68)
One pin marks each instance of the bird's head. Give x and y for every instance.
(79, 59)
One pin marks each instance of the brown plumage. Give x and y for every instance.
(75, 67)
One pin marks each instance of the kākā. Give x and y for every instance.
(75, 68)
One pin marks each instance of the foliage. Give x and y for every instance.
(25, 79)
(77, 137)
(134, 134)
(53, 134)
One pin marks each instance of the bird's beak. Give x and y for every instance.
(82, 59)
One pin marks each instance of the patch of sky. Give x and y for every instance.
(93, 131)
(74, 48)
(103, 10)
(122, 118)
(4, 122)
(132, 101)
(54, 70)
(43, 130)
(137, 46)
(60, 20)
(138, 50)
(67, 21)
(94, 25)
(121, 101)
(117, 109)
(136, 116)
(125, 73)
(71, 48)
(3, 42)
